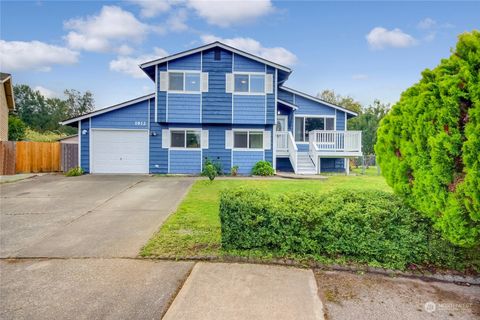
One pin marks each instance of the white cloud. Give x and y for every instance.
(130, 65)
(359, 76)
(226, 13)
(106, 31)
(47, 93)
(177, 21)
(380, 38)
(276, 54)
(36, 55)
(427, 23)
(151, 8)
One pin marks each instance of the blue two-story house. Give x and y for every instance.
(219, 103)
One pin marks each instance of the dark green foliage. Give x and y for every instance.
(44, 114)
(362, 226)
(16, 128)
(74, 172)
(429, 144)
(216, 164)
(262, 168)
(209, 171)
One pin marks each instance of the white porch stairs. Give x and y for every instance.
(305, 164)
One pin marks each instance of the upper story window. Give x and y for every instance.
(188, 139)
(303, 125)
(248, 139)
(184, 81)
(249, 83)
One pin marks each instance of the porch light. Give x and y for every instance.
(153, 133)
(84, 131)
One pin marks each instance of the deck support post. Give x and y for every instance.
(347, 166)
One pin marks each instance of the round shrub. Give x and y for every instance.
(74, 172)
(209, 171)
(428, 145)
(262, 168)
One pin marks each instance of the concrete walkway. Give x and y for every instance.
(245, 291)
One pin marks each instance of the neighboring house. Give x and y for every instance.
(219, 103)
(73, 139)
(7, 103)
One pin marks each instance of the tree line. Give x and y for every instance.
(36, 112)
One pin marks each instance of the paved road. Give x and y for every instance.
(88, 216)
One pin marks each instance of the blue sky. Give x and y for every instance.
(367, 50)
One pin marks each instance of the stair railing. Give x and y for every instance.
(292, 151)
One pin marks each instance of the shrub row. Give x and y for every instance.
(361, 226)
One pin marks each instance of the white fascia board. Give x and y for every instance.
(307, 96)
(108, 109)
(288, 104)
(210, 46)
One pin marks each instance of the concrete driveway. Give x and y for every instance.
(89, 216)
(66, 246)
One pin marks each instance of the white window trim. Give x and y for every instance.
(184, 75)
(185, 131)
(248, 139)
(248, 93)
(334, 117)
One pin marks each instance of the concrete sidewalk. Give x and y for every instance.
(245, 291)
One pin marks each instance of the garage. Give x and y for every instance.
(119, 151)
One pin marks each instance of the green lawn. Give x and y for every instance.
(194, 229)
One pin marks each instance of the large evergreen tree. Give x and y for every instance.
(429, 143)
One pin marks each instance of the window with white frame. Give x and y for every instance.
(179, 81)
(303, 125)
(186, 139)
(248, 139)
(249, 83)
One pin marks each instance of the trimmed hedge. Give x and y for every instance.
(361, 226)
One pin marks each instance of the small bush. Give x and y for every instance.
(74, 172)
(234, 171)
(262, 168)
(362, 226)
(16, 128)
(216, 164)
(209, 171)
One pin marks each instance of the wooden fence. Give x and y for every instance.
(33, 157)
(7, 157)
(69, 156)
(37, 157)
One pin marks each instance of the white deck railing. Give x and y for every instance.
(336, 141)
(292, 151)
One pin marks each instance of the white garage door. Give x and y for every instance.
(119, 151)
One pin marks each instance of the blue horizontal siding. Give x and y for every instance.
(248, 109)
(190, 62)
(158, 156)
(245, 64)
(131, 117)
(285, 96)
(303, 147)
(307, 106)
(85, 146)
(216, 103)
(216, 151)
(340, 125)
(185, 162)
(184, 108)
(245, 160)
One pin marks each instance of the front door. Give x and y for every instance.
(282, 123)
(282, 132)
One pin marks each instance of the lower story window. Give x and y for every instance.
(248, 139)
(303, 125)
(190, 139)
